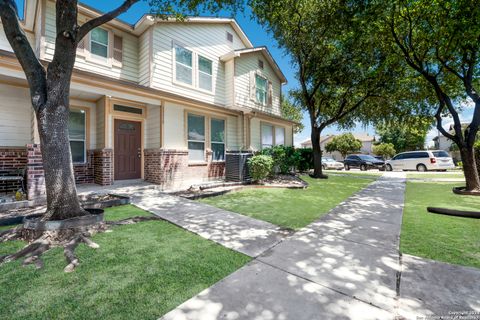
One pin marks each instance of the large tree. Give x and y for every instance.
(345, 143)
(292, 112)
(404, 135)
(341, 68)
(440, 41)
(50, 94)
(50, 87)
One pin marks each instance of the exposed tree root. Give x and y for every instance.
(69, 239)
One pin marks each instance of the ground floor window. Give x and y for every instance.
(272, 135)
(77, 135)
(267, 135)
(196, 138)
(279, 136)
(218, 139)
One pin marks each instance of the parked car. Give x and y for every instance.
(363, 162)
(424, 160)
(330, 163)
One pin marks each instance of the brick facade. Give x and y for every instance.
(35, 174)
(11, 159)
(171, 170)
(103, 166)
(84, 172)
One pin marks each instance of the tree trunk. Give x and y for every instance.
(470, 169)
(62, 200)
(317, 154)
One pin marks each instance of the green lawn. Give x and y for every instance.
(439, 237)
(291, 208)
(140, 271)
(448, 175)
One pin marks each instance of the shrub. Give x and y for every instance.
(284, 158)
(260, 166)
(305, 162)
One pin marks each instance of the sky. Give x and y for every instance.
(259, 36)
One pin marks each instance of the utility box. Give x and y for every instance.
(236, 167)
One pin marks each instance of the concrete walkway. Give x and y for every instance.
(344, 266)
(241, 233)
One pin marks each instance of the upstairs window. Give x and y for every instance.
(196, 138)
(261, 89)
(183, 65)
(218, 139)
(267, 135)
(204, 73)
(99, 42)
(77, 135)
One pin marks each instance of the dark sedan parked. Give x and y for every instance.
(363, 162)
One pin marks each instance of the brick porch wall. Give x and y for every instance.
(171, 170)
(35, 175)
(84, 172)
(103, 166)
(12, 158)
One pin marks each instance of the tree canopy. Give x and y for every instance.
(385, 150)
(344, 73)
(440, 42)
(345, 143)
(292, 112)
(404, 136)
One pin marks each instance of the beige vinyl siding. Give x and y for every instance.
(288, 136)
(129, 68)
(233, 139)
(144, 58)
(5, 45)
(255, 134)
(174, 129)
(100, 123)
(229, 83)
(207, 40)
(16, 116)
(152, 137)
(244, 66)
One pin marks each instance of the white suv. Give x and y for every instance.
(421, 161)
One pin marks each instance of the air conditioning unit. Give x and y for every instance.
(236, 168)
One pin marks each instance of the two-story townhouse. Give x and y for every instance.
(159, 100)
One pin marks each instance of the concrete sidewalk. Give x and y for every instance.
(240, 233)
(344, 266)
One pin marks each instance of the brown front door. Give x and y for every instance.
(128, 150)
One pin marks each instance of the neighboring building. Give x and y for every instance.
(158, 100)
(365, 138)
(443, 143)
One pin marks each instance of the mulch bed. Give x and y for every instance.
(216, 189)
(97, 201)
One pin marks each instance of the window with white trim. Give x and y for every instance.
(183, 65)
(267, 135)
(261, 89)
(196, 137)
(205, 73)
(99, 42)
(217, 138)
(77, 135)
(279, 136)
